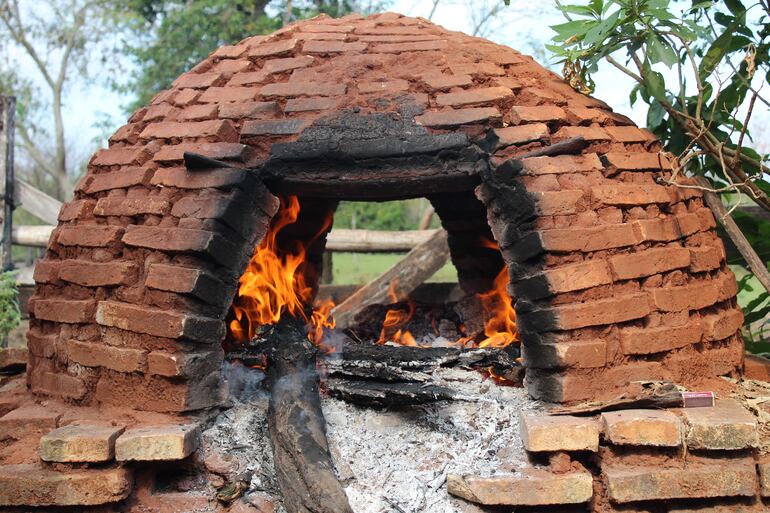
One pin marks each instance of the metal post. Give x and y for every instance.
(7, 122)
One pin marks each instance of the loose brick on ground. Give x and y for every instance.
(532, 487)
(726, 426)
(26, 420)
(724, 478)
(658, 428)
(157, 443)
(85, 442)
(31, 485)
(546, 433)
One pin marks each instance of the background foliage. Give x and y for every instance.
(10, 317)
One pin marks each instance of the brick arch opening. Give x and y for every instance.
(618, 274)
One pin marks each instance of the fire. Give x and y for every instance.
(275, 284)
(395, 319)
(500, 326)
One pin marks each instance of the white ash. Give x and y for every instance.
(390, 461)
(396, 461)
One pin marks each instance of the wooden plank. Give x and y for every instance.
(417, 266)
(36, 202)
(34, 236)
(375, 241)
(756, 264)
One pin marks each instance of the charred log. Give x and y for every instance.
(386, 394)
(297, 426)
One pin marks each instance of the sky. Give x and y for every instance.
(522, 25)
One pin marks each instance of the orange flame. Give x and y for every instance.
(275, 284)
(395, 319)
(500, 326)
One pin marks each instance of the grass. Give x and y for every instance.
(358, 268)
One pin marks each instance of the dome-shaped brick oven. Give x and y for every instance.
(617, 277)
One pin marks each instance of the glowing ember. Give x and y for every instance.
(395, 319)
(275, 284)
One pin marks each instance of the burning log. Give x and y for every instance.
(297, 426)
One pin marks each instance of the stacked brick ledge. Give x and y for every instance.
(691, 459)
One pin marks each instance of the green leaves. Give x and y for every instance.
(10, 316)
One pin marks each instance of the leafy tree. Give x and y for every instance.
(58, 38)
(165, 38)
(700, 68)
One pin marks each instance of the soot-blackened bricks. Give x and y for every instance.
(617, 278)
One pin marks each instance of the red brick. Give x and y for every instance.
(687, 223)
(230, 52)
(322, 36)
(160, 323)
(65, 310)
(121, 359)
(509, 82)
(583, 275)
(693, 296)
(322, 47)
(89, 235)
(389, 30)
(589, 133)
(416, 46)
(588, 239)
(182, 240)
(642, 427)
(227, 94)
(197, 80)
(660, 338)
(601, 312)
(229, 66)
(26, 420)
(561, 164)
(76, 209)
(310, 104)
(723, 478)
(186, 97)
(458, 117)
(246, 110)
(288, 89)
(479, 69)
(31, 485)
(128, 133)
(41, 345)
(721, 325)
(264, 49)
(384, 86)
(281, 65)
(649, 262)
(662, 230)
(248, 78)
(473, 96)
(96, 274)
(756, 367)
(705, 258)
(565, 354)
(591, 115)
(629, 134)
(122, 156)
(327, 28)
(557, 203)
(404, 38)
(123, 178)
(58, 384)
(219, 151)
(530, 487)
(520, 114)
(274, 127)
(155, 112)
(117, 206)
(727, 286)
(185, 280)
(185, 364)
(520, 134)
(637, 161)
(223, 130)
(198, 112)
(214, 178)
(440, 81)
(707, 221)
(630, 194)
(46, 271)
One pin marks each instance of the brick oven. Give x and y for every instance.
(616, 275)
(616, 272)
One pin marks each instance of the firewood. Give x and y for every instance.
(296, 423)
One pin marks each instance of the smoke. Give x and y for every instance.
(244, 382)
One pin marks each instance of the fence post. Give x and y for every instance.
(7, 122)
